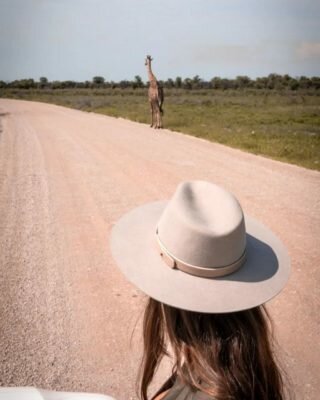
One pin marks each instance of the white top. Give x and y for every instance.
(30, 393)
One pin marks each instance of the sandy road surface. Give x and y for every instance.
(65, 177)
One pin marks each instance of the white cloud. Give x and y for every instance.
(257, 53)
(222, 54)
(308, 50)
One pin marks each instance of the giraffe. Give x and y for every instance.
(155, 95)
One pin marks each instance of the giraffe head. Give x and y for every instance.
(148, 60)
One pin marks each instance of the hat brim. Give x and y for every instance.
(264, 274)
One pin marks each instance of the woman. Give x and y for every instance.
(208, 270)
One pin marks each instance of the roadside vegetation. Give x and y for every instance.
(277, 116)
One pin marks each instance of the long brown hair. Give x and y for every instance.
(227, 356)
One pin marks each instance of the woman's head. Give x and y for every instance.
(186, 245)
(228, 356)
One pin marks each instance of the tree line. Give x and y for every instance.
(272, 81)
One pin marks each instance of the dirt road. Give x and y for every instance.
(66, 176)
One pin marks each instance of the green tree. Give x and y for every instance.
(43, 82)
(242, 81)
(24, 83)
(98, 81)
(315, 82)
(261, 83)
(304, 82)
(138, 82)
(294, 84)
(187, 83)
(169, 83)
(178, 82)
(216, 82)
(226, 83)
(70, 84)
(56, 85)
(124, 84)
(196, 82)
(274, 81)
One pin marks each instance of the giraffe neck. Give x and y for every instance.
(150, 73)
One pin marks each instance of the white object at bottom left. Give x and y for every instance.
(31, 393)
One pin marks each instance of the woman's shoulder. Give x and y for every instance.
(162, 395)
(182, 391)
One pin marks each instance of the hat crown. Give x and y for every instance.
(203, 225)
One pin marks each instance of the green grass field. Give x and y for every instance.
(281, 125)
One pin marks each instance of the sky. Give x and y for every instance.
(79, 39)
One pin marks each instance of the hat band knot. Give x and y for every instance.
(203, 272)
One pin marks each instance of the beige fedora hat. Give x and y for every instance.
(199, 252)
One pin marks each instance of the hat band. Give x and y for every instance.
(203, 272)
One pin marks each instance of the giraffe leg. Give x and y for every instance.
(154, 116)
(158, 117)
(155, 119)
(151, 112)
(160, 120)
